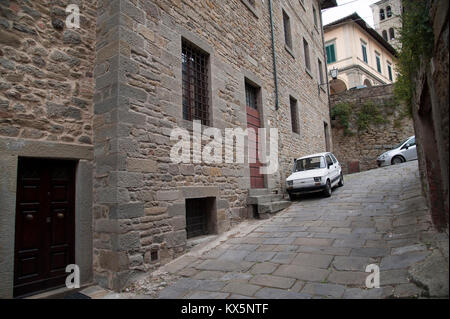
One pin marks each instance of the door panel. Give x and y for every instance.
(254, 122)
(45, 224)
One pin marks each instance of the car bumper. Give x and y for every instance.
(305, 190)
(382, 163)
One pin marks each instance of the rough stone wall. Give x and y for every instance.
(139, 193)
(431, 118)
(365, 147)
(46, 71)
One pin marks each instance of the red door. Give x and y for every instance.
(45, 224)
(254, 122)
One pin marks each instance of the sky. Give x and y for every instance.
(347, 7)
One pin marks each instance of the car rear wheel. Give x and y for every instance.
(327, 190)
(341, 181)
(397, 160)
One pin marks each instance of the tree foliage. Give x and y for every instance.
(416, 37)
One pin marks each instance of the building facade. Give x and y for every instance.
(359, 53)
(387, 17)
(431, 117)
(88, 116)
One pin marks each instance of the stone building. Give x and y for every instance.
(87, 116)
(431, 117)
(387, 17)
(359, 53)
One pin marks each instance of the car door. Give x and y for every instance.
(331, 168)
(410, 151)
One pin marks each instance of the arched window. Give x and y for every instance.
(382, 14)
(385, 35)
(391, 33)
(389, 12)
(367, 83)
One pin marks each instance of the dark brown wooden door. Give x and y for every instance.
(45, 224)
(254, 122)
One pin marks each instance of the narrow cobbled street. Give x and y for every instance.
(320, 247)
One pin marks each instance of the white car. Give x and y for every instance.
(315, 173)
(403, 152)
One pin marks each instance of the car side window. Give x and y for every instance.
(329, 160)
(333, 158)
(412, 142)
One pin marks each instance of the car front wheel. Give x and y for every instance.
(397, 160)
(327, 190)
(341, 181)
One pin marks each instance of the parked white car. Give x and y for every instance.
(315, 173)
(403, 152)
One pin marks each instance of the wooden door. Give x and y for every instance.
(254, 122)
(45, 224)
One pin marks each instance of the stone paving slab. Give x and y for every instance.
(326, 290)
(319, 248)
(302, 272)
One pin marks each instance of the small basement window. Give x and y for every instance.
(200, 217)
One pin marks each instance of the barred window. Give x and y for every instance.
(251, 96)
(195, 83)
(287, 30)
(294, 115)
(307, 59)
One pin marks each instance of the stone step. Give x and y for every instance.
(273, 207)
(263, 199)
(280, 205)
(258, 192)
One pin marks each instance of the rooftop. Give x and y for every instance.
(355, 18)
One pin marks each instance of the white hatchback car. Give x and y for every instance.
(315, 173)
(403, 152)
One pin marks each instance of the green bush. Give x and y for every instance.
(416, 37)
(369, 114)
(342, 113)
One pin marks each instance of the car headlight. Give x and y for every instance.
(290, 183)
(382, 157)
(317, 179)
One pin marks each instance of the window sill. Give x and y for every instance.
(309, 73)
(289, 50)
(322, 88)
(253, 9)
(302, 5)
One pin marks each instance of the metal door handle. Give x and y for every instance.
(60, 215)
(29, 217)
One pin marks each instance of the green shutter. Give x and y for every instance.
(331, 54)
(364, 51)
(378, 64)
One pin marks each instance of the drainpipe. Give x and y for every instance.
(275, 75)
(326, 69)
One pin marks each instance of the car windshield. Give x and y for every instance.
(310, 163)
(401, 143)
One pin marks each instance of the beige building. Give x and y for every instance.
(387, 20)
(360, 54)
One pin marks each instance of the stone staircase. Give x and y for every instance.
(265, 203)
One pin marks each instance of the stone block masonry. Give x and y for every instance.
(359, 151)
(46, 111)
(138, 101)
(46, 72)
(113, 89)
